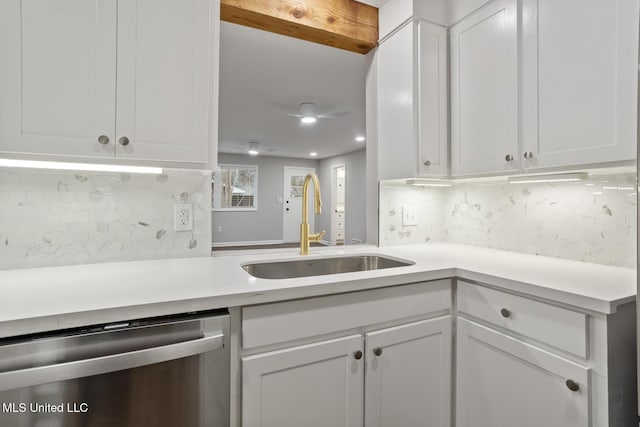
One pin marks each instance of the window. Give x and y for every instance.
(235, 188)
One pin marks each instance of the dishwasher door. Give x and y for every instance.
(163, 372)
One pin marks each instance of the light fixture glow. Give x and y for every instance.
(567, 177)
(360, 138)
(313, 154)
(253, 152)
(90, 167)
(428, 183)
(307, 120)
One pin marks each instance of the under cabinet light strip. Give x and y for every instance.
(567, 177)
(428, 182)
(37, 164)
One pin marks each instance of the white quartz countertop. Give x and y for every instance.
(43, 299)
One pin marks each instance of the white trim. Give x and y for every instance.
(250, 243)
(325, 242)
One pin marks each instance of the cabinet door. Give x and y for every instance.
(433, 104)
(580, 64)
(484, 91)
(58, 76)
(408, 377)
(164, 63)
(397, 143)
(315, 385)
(504, 382)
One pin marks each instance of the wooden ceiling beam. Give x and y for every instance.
(345, 24)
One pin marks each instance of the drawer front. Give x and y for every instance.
(561, 328)
(298, 319)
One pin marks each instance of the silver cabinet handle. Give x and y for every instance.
(113, 362)
(427, 162)
(103, 139)
(124, 141)
(528, 155)
(508, 158)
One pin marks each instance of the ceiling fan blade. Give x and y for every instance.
(334, 115)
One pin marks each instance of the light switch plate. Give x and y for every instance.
(409, 215)
(183, 217)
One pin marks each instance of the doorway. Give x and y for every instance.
(292, 203)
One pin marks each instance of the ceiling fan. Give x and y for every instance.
(309, 113)
(253, 148)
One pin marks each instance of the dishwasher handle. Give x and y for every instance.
(111, 363)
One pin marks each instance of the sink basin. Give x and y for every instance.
(322, 266)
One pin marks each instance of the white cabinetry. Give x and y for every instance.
(412, 102)
(311, 381)
(579, 70)
(484, 91)
(408, 376)
(502, 382)
(138, 73)
(315, 385)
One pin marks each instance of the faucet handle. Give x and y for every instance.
(317, 237)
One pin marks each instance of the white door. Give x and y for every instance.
(504, 382)
(58, 76)
(580, 64)
(164, 62)
(408, 376)
(292, 203)
(484, 90)
(315, 385)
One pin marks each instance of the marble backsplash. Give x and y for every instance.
(52, 218)
(592, 221)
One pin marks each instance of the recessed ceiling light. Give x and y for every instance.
(253, 152)
(360, 138)
(307, 120)
(253, 148)
(89, 167)
(313, 154)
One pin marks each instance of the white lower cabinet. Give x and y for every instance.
(504, 382)
(408, 375)
(315, 385)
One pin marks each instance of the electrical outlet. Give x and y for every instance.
(409, 215)
(183, 217)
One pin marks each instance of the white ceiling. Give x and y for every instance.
(263, 75)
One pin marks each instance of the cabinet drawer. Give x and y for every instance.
(298, 319)
(558, 327)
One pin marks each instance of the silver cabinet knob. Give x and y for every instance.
(528, 155)
(103, 139)
(377, 351)
(124, 141)
(505, 313)
(572, 385)
(508, 158)
(357, 355)
(427, 162)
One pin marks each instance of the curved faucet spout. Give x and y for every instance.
(305, 237)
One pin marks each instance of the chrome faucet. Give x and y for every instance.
(305, 237)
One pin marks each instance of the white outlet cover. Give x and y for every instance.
(183, 217)
(409, 215)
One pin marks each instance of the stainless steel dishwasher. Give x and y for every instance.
(168, 371)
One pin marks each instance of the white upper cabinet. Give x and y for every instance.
(57, 79)
(132, 79)
(580, 64)
(163, 79)
(484, 91)
(412, 102)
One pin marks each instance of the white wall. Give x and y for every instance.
(355, 196)
(50, 218)
(265, 224)
(593, 221)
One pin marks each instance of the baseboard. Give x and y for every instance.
(251, 243)
(325, 242)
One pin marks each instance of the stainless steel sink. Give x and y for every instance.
(322, 266)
